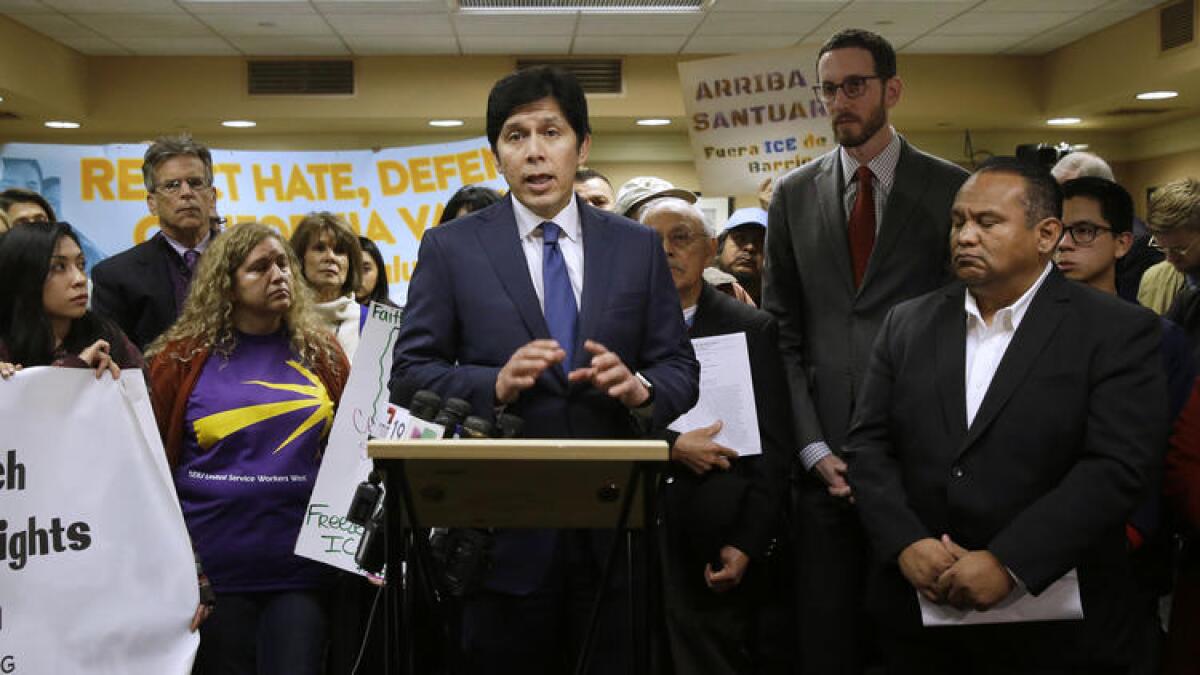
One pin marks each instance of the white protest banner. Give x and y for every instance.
(326, 536)
(752, 116)
(96, 569)
(390, 196)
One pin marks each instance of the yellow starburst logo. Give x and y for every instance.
(217, 426)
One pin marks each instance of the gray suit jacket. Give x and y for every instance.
(827, 326)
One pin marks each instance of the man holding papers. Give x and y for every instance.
(722, 497)
(992, 454)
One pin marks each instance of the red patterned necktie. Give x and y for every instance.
(862, 224)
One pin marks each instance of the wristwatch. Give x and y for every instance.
(649, 389)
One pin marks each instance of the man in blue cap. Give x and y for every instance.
(740, 249)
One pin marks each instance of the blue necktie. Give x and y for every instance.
(559, 302)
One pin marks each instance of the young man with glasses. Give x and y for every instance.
(143, 288)
(849, 235)
(1097, 232)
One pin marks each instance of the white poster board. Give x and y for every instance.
(752, 117)
(96, 569)
(326, 536)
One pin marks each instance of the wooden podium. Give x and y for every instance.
(523, 483)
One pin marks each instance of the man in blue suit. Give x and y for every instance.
(566, 316)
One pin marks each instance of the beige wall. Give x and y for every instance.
(1139, 177)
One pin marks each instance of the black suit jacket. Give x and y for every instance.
(134, 289)
(741, 507)
(827, 325)
(1059, 454)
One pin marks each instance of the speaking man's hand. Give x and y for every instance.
(524, 367)
(610, 375)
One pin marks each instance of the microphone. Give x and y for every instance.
(508, 425)
(424, 405)
(476, 428)
(451, 415)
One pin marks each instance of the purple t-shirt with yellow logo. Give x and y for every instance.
(253, 433)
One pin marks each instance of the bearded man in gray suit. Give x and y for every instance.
(850, 235)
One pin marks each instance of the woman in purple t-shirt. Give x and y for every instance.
(244, 386)
(44, 319)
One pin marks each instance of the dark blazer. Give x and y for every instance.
(1063, 446)
(741, 512)
(471, 304)
(827, 326)
(134, 289)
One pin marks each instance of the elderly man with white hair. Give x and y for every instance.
(720, 509)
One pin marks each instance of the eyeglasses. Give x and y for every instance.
(31, 220)
(1085, 233)
(1172, 250)
(172, 187)
(682, 238)
(853, 87)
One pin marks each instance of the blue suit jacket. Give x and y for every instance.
(471, 304)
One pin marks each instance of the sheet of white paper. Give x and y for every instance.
(1059, 602)
(726, 394)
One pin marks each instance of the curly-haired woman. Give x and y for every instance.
(244, 386)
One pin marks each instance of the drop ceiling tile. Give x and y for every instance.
(1010, 23)
(795, 24)
(380, 6)
(148, 25)
(963, 44)
(95, 46)
(54, 25)
(292, 45)
(1041, 5)
(918, 19)
(1132, 5)
(115, 6)
(390, 24)
(734, 44)
(27, 6)
(515, 44)
(178, 46)
(401, 44)
(624, 44)
(722, 7)
(649, 24)
(512, 27)
(241, 6)
(273, 24)
(1042, 44)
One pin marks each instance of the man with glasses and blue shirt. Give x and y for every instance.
(850, 235)
(143, 288)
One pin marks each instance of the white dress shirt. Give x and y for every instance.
(570, 242)
(986, 344)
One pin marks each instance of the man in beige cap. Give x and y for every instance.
(639, 191)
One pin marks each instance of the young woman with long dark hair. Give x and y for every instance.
(44, 317)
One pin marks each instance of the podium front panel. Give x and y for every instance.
(520, 483)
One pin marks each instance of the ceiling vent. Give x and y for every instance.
(8, 115)
(1177, 24)
(308, 78)
(543, 6)
(597, 76)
